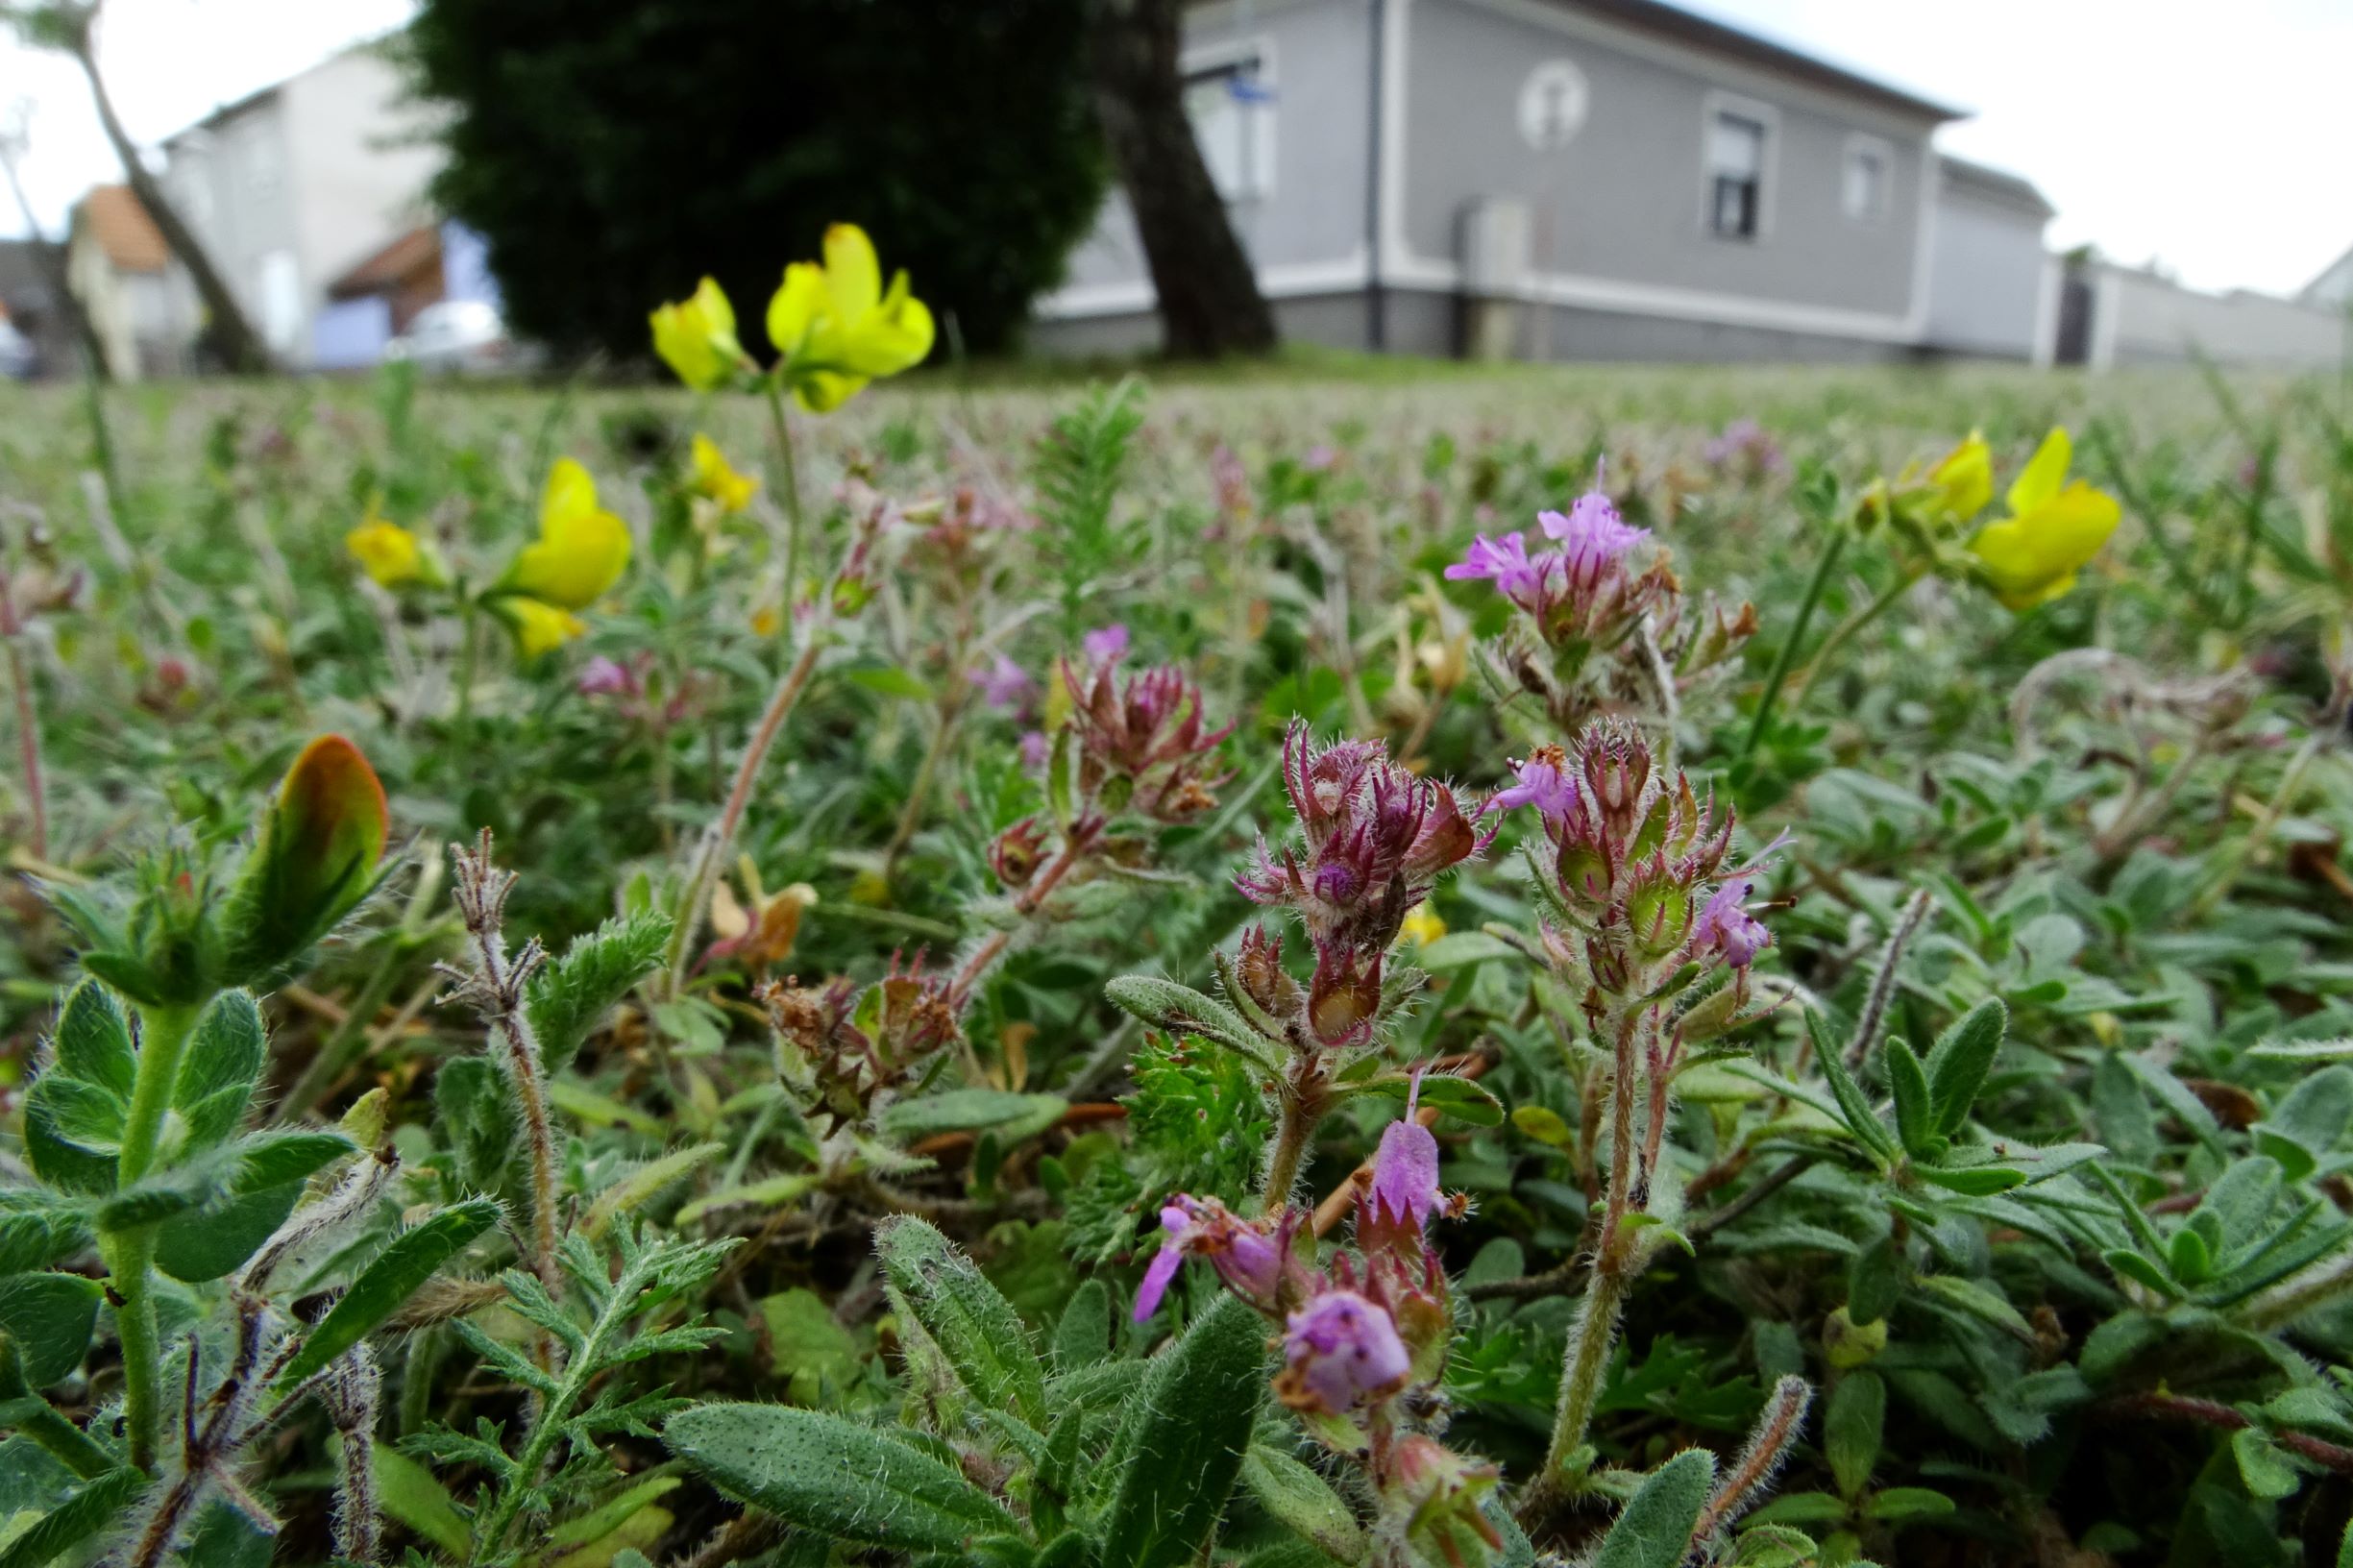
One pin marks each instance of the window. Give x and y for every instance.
(1863, 191)
(1735, 173)
(1230, 105)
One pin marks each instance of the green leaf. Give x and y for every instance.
(969, 1319)
(1800, 1508)
(1959, 1060)
(394, 1275)
(570, 997)
(81, 1518)
(1181, 1009)
(577, 1100)
(1655, 1529)
(1899, 1504)
(473, 1118)
(1304, 1502)
(1014, 1117)
(2141, 1271)
(313, 859)
(834, 1476)
(408, 1492)
(1459, 949)
(92, 1041)
(609, 1516)
(1465, 1099)
(1851, 1427)
(643, 1185)
(1190, 1430)
(224, 1061)
(56, 1106)
(1082, 1335)
(49, 1316)
(808, 1345)
(2264, 1466)
(265, 1176)
(1915, 1124)
(1854, 1108)
(890, 680)
(1972, 1181)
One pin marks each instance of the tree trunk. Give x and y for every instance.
(54, 262)
(239, 345)
(1210, 302)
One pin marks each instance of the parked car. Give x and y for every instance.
(19, 359)
(464, 335)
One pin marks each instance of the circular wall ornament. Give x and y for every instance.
(1553, 105)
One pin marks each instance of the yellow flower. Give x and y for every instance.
(1963, 479)
(539, 628)
(1421, 927)
(2054, 528)
(386, 551)
(581, 550)
(715, 481)
(836, 326)
(696, 337)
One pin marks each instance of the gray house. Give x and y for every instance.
(1564, 178)
(292, 187)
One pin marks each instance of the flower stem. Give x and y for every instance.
(791, 474)
(720, 839)
(1302, 1109)
(1787, 657)
(1847, 629)
(28, 742)
(130, 1256)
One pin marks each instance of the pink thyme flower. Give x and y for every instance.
(1106, 644)
(1405, 1186)
(1593, 537)
(600, 676)
(1035, 748)
(1342, 1351)
(1004, 685)
(1545, 783)
(1248, 1257)
(1517, 577)
(1725, 926)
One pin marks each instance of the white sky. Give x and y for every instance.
(2211, 138)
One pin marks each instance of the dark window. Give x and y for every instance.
(1736, 174)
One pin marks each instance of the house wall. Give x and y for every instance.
(1306, 235)
(360, 164)
(231, 180)
(291, 188)
(1618, 213)
(2140, 320)
(1987, 277)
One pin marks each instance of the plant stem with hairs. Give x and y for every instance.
(28, 720)
(496, 988)
(163, 1038)
(789, 472)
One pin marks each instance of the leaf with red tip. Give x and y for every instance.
(315, 858)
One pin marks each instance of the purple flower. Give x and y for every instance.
(1343, 1351)
(1004, 685)
(1106, 644)
(1405, 1185)
(1517, 577)
(1248, 1257)
(1727, 926)
(1319, 457)
(1545, 783)
(1593, 537)
(1035, 748)
(600, 676)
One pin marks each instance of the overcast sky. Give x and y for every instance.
(2211, 138)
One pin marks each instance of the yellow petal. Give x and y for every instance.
(1964, 478)
(571, 492)
(896, 336)
(538, 629)
(386, 551)
(823, 391)
(852, 273)
(715, 478)
(2034, 558)
(2043, 473)
(797, 303)
(718, 312)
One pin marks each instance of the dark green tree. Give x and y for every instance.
(612, 152)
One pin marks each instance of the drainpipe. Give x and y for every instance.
(1376, 301)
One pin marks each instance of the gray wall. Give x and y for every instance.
(1624, 198)
(1986, 277)
(233, 181)
(1319, 50)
